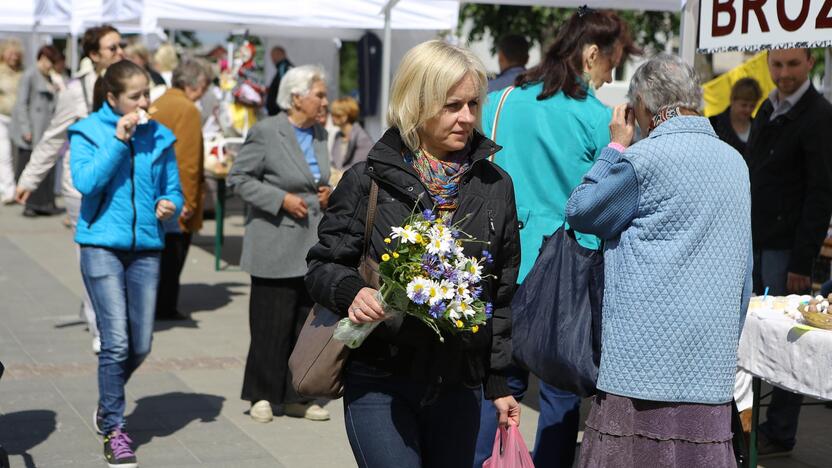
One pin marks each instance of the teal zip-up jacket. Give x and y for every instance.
(548, 146)
(121, 183)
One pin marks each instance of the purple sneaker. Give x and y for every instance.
(118, 452)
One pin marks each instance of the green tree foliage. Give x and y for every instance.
(187, 39)
(348, 76)
(650, 29)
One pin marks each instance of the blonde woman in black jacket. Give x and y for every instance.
(410, 400)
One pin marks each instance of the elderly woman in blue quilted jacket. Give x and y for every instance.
(674, 211)
(125, 168)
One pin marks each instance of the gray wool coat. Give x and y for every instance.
(270, 165)
(33, 110)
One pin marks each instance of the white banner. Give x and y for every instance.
(764, 24)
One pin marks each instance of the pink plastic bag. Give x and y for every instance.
(509, 450)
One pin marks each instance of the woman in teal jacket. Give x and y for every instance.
(125, 168)
(552, 127)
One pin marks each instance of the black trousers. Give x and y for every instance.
(42, 199)
(170, 268)
(277, 310)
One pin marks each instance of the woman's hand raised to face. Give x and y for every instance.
(126, 126)
(365, 307)
(622, 125)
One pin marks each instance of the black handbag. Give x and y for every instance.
(556, 315)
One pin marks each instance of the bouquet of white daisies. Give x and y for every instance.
(426, 274)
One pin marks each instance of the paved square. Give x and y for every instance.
(184, 406)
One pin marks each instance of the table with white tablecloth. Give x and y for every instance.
(777, 347)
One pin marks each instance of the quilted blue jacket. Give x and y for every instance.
(121, 183)
(677, 262)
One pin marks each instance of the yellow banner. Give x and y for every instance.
(718, 91)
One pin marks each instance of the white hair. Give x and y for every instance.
(298, 81)
(666, 81)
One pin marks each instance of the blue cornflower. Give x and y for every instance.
(487, 256)
(420, 297)
(489, 310)
(452, 275)
(476, 292)
(437, 310)
(428, 215)
(434, 272)
(429, 258)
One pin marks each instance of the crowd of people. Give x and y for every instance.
(669, 196)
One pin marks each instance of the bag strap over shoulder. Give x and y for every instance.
(372, 203)
(500, 105)
(502, 102)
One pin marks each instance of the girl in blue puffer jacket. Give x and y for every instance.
(125, 168)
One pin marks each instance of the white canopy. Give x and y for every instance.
(50, 16)
(343, 19)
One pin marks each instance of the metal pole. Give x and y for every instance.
(689, 29)
(386, 53)
(74, 60)
(756, 389)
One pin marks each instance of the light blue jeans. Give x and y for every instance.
(122, 287)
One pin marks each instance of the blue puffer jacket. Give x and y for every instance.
(121, 183)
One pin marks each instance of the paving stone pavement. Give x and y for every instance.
(183, 404)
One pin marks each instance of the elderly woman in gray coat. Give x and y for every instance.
(282, 172)
(37, 97)
(675, 212)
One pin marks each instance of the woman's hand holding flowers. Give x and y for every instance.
(365, 307)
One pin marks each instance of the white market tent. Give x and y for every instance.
(290, 18)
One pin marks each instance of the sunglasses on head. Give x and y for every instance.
(113, 48)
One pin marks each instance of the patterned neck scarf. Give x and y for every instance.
(441, 178)
(666, 113)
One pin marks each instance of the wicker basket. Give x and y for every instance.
(816, 319)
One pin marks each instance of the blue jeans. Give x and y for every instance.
(770, 270)
(122, 287)
(395, 421)
(557, 425)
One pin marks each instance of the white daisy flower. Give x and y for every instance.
(438, 246)
(474, 270)
(447, 290)
(454, 314)
(434, 293)
(417, 290)
(407, 234)
(462, 310)
(462, 292)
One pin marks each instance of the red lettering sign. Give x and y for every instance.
(726, 7)
(789, 24)
(824, 19)
(757, 7)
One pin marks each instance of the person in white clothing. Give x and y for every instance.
(11, 71)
